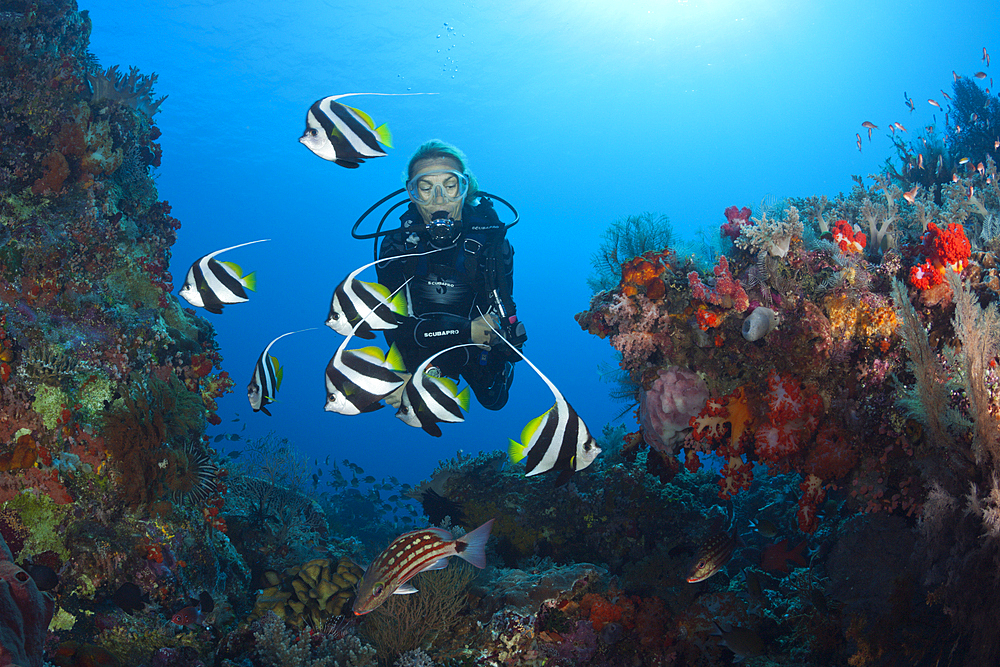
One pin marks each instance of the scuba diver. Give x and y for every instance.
(447, 291)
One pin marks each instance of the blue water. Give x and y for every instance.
(576, 112)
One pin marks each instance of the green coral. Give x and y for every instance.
(63, 620)
(94, 393)
(43, 517)
(49, 403)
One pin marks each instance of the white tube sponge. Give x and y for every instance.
(759, 323)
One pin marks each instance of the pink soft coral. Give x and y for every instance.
(665, 411)
(728, 292)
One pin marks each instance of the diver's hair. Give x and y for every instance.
(435, 148)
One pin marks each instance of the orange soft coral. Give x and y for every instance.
(643, 273)
(709, 426)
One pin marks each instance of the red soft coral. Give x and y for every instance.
(813, 494)
(850, 240)
(832, 456)
(944, 249)
(793, 415)
(735, 218)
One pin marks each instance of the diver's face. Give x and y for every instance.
(437, 186)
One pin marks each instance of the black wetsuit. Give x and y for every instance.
(445, 294)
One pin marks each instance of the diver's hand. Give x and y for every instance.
(393, 399)
(481, 333)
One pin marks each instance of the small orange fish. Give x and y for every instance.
(859, 141)
(899, 126)
(974, 117)
(980, 75)
(911, 196)
(981, 169)
(996, 144)
(933, 103)
(870, 125)
(946, 95)
(972, 191)
(954, 74)
(986, 57)
(920, 161)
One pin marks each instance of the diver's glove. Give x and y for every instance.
(482, 331)
(393, 400)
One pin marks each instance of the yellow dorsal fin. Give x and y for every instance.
(450, 384)
(371, 351)
(279, 372)
(363, 116)
(532, 426)
(235, 267)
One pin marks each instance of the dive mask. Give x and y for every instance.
(446, 184)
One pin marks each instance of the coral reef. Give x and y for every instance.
(824, 395)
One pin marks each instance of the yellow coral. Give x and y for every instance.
(309, 594)
(851, 319)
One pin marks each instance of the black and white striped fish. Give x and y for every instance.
(266, 378)
(358, 380)
(428, 400)
(555, 440)
(211, 284)
(371, 304)
(345, 135)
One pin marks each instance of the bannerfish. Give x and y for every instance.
(428, 400)
(413, 553)
(357, 380)
(266, 378)
(355, 301)
(211, 285)
(345, 135)
(555, 440)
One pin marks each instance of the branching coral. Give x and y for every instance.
(132, 89)
(771, 235)
(628, 237)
